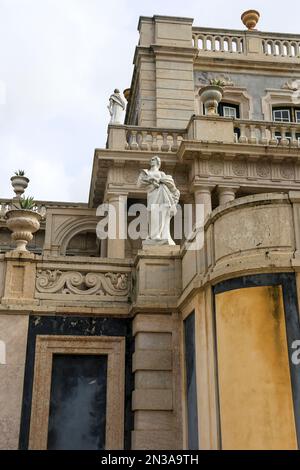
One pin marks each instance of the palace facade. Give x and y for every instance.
(109, 345)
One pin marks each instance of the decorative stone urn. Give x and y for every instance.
(250, 19)
(23, 223)
(126, 93)
(19, 183)
(211, 96)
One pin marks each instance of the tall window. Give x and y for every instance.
(191, 381)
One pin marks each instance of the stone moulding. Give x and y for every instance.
(104, 285)
(46, 348)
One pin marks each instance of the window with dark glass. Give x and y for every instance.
(229, 110)
(286, 114)
(77, 419)
(191, 383)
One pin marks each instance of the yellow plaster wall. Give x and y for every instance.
(256, 405)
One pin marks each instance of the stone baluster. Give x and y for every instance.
(283, 141)
(273, 140)
(281, 52)
(263, 135)
(240, 45)
(154, 146)
(133, 141)
(222, 49)
(213, 44)
(243, 137)
(253, 137)
(144, 144)
(165, 145)
(175, 145)
(294, 140)
(289, 49)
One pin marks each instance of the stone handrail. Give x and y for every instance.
(285, 47)
(238, 43)
(153, 139)
(267, 133)
(218, 41)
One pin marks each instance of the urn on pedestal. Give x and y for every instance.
(19, 182)
(23, 224)
(211, 95)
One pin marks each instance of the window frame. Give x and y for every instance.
(225, 104)
(281, 110)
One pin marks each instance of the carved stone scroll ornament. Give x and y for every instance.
(72, 282)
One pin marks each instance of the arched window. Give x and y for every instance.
(84, 244)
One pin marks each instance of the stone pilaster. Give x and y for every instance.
(116, 241)
(164, 70)
(155, 399)
(13, 338)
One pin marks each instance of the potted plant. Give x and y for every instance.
(19, 182)
(23, 220)
(211, 95)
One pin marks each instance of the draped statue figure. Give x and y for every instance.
(116, 107)
(162, 199)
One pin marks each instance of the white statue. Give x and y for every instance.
(116, 107)
(163, 197)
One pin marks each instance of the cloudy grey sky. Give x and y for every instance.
(59, 62)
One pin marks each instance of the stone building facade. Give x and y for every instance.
(109, 345)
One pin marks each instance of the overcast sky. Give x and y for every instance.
(59, 62)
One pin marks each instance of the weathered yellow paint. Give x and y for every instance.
(256, 405)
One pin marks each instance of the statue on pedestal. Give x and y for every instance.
(163, 197)
(116, 107)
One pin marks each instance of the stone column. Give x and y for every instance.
(203, 196)
(226, 194)
(116, 242)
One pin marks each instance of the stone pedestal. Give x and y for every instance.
(19, 286)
